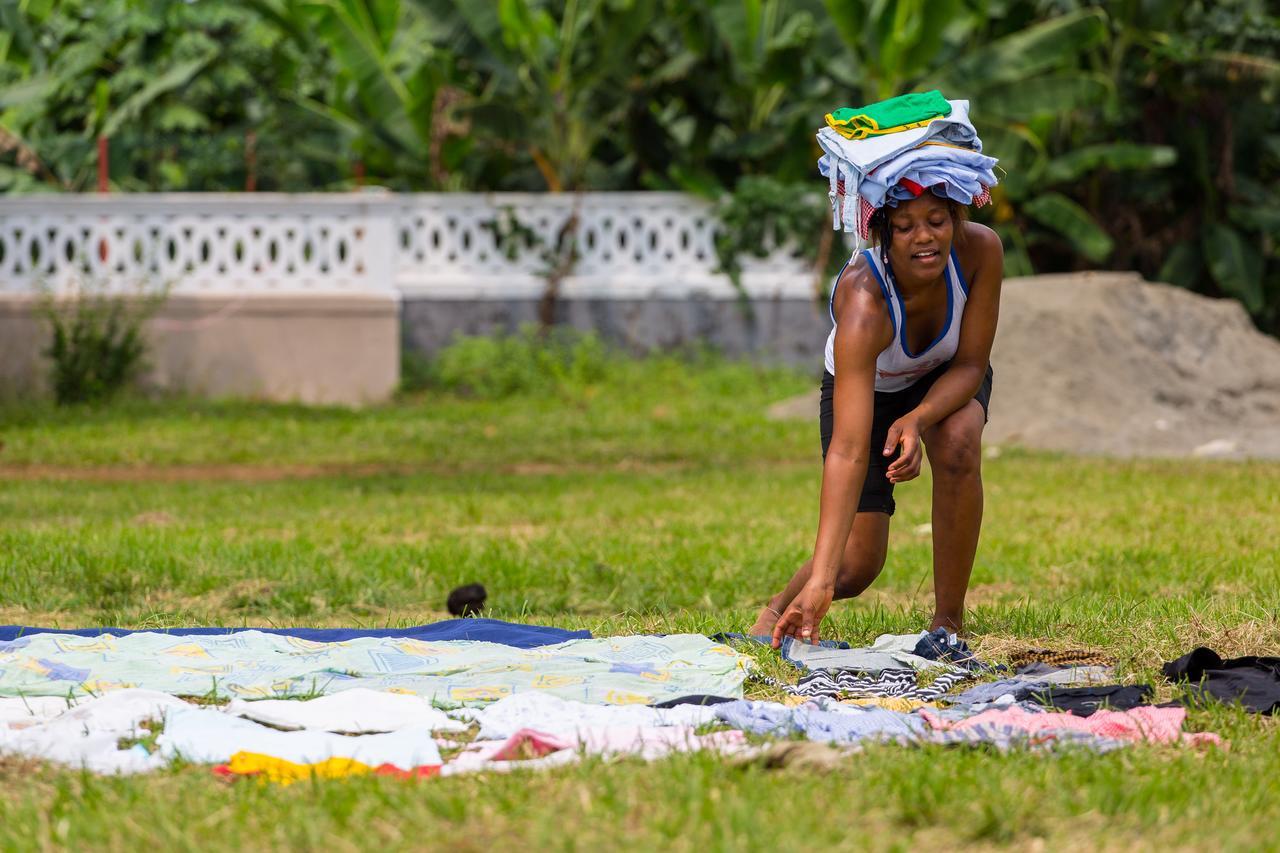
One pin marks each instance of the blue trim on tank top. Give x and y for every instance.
(831, 300)
(946, 327)
(964, 285)
(884, 289)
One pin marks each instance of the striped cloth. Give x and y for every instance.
(851, 684)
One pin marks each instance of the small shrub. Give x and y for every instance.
(526, 362)
(417, 372)
(97, 347)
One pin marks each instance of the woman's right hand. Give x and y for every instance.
(803, 616)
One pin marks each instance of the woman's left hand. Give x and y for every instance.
(905, 431)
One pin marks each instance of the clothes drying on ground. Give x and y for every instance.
(480, 630)
(1158, 725)
(1059, 657)
(694, 699)
(832, 723)
(89, 735)
(891, 703)
(1252, 681)
(1084, 701)
(942, 645)
(786, 647)
(552, 715)
(358, 711)
(1028, 680)
(530, 749)
(271, 769)
(957, 712)
(849, 683)
(889, 651)
(252, 664)
(1006, 737)
(21, 711)
(208, 736)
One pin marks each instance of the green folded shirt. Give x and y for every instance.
(896, 114)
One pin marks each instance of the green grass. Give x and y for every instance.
(658, 499)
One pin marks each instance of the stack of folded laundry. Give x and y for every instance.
(894, 150)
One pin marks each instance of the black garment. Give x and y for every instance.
(466, 600)
(1252, 681)
(1083, 701)
(694, 699)
(877, 491)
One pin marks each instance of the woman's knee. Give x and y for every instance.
(857, 572)
(954, 445)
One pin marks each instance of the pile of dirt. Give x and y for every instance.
(1105, 363)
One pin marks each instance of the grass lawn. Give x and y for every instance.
(658, 498)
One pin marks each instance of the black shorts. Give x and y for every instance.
(877, 491)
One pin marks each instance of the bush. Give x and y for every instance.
(97, 347)
(526, 362)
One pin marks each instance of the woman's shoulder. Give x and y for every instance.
(860, 296)
(981, 245)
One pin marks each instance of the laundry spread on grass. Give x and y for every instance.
(412, 708)
(257, 665)
(482, 630)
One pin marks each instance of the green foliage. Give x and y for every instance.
(1132, 135)
(763, 214)
(97, 347)
(527, 362)
(179, 88)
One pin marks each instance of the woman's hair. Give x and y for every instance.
(880, 226)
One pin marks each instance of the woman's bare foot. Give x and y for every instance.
(765, 621)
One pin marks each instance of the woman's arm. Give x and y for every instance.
(862, 331)
(961, 381)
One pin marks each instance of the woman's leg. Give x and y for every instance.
(863, 559)
(954, 447)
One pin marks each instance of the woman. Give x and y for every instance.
(906, 363)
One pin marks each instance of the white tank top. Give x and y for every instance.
(896, 366)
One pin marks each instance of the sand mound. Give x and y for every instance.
(1105, 363)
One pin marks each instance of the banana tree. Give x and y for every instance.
(389, 87)
(1024, 79)
(176, 87)
(1213, 224)
(555, 90)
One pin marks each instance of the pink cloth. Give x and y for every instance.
(1158, 725)
(538, 743)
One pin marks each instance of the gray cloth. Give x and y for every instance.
(1032, 679)
(889, 651)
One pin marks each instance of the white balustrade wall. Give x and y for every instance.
(435, 245)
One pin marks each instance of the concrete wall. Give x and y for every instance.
(787, 330)
(335, 349)
(345, 349)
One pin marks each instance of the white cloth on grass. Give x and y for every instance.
(553, 715)
(18, 712)
(357, 711)
(88, 735)
(206, 736)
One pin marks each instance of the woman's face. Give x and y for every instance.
(922, 230)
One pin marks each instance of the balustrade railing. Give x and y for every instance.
(439, 245)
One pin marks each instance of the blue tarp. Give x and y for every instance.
(485, 630)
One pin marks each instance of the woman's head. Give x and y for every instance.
(918, 233)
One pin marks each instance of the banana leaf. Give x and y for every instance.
(1235, 264)
(1059, 213)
